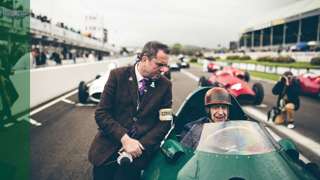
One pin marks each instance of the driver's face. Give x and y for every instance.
(219, 112)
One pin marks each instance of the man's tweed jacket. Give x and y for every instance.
(120, 110)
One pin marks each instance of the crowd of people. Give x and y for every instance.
(49, 56)
(45, 19)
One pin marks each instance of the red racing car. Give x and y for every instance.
(237, 87)
(237, 72)
(310, 84)
(212, 67)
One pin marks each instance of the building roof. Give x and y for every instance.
(294, 11)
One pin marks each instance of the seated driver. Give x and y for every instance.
(217, 102)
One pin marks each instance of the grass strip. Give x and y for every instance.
(301, 65)
(262, 75)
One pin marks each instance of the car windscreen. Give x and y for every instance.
(234, 137)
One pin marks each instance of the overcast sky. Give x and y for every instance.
(133, 22)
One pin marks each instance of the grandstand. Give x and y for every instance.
(23, 31)
(294, 25)
(48, 34)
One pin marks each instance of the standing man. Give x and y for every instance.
(133, 116)
(288, 91)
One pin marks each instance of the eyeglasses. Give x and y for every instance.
(160, 65)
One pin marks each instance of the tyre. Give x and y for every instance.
(313, 168)
(98, 76)
(258, 89)
(203, 81)
(246, 76)
(82, 92)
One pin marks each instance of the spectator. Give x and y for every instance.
(288, 90)
(56, 57)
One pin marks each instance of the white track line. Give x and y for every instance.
(34, 122)
(23, 118)
(262, 106)
(297, 137)
(85, 105)
(78, 104)
(52, 102)
(30, 120)
(68, 101)
(63, 98)
(189, 74)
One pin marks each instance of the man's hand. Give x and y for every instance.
(131, 146)
(285, 80)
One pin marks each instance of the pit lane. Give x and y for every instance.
(59, 146)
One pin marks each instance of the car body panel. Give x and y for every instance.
(184, 64)
(234, 85)
(174, 67)
(97, 86)
(208, 166)
(310, 83)
(234, 71)
(213, 67)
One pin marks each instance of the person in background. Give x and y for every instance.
(288, 91)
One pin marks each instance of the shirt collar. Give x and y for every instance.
(138, 75)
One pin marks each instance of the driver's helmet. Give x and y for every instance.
(217, 95)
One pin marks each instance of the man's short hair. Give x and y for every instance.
(287, 73)
(36, 50)
(151, 49)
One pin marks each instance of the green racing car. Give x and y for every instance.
(238, 149)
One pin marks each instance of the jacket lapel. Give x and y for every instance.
(133, 86)
(151, 89)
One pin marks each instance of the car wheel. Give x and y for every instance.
(258, 89)
(98, 76)
(313, 168)
(246, 76)
(203, 81)
(83, 92)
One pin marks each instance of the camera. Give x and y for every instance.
(124, 158)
